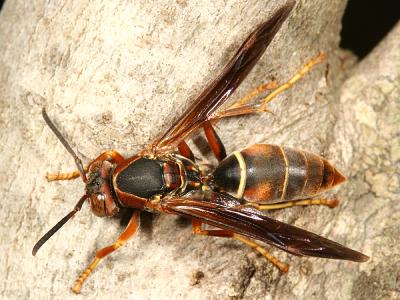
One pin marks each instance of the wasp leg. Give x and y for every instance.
(306, 68)
(260, 89)
(197, 229)
(214, 141)
(272, 259)
(241, 108)
(114, 155)
(64, 176)
(240, 111)
(129, 231)
(185, 151)
(328, 202)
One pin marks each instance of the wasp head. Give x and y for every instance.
(99, 189)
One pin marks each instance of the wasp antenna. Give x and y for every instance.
(56, 227)
(58, 134)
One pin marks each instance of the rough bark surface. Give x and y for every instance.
(114, 74)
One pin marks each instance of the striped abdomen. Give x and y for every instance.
(262, 173)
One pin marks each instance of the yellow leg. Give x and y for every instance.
(113, 155)
(280, 265)
(262, 88)
(239, 111)
(241, 107)
(64, 176)
(197, 229)
(123, 238)
(306, 68)
(328, 202)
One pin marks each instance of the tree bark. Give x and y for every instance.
(115, 75)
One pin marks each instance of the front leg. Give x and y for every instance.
(114, 155)
(129, 231)
(65, 176)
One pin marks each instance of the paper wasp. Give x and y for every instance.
(165, 177)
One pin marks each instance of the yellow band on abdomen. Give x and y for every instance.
(242, 166)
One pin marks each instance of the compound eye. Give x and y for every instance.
(98, 204)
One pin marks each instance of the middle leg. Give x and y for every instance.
(214, 141)
(185, 150)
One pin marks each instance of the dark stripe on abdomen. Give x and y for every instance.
(296, 172)
(273, 173)
(265, 169)
(314, 168)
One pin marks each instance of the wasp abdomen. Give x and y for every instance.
(262, 173)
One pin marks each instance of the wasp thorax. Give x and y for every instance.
(98, 188)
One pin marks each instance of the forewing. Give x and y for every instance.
(216, 93)
(251, 223)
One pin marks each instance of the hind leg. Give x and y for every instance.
(304, 202)
(197, 229)
(242, 108)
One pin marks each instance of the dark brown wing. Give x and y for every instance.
(225, 84)
(251, 223)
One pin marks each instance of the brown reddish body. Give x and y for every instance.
(166, 178)
(137, 180)
(144, 177)
(264, 173)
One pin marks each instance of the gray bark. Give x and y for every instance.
(114, 75)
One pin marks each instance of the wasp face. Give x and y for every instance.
(98, 188)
